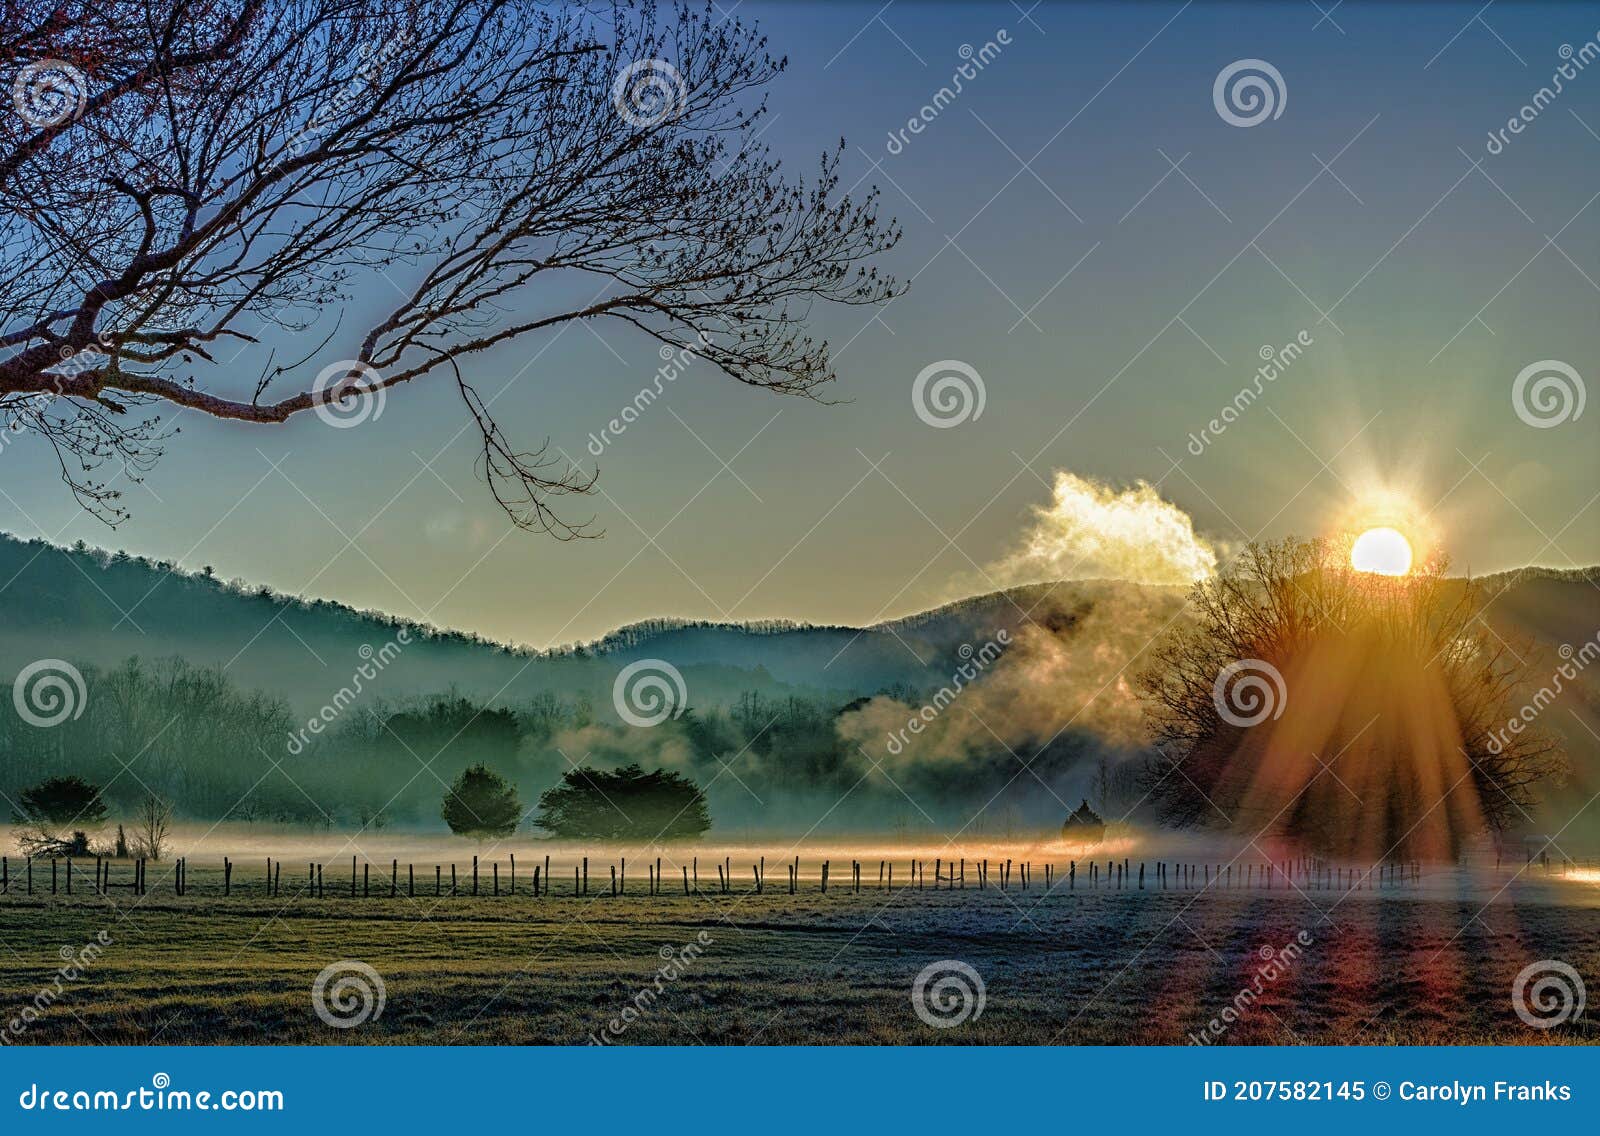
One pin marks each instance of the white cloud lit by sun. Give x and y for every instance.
(1091, 529)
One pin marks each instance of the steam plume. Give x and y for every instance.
(1093, 530)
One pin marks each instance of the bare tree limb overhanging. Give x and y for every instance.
(390, 187)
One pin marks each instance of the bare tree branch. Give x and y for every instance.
(201, 179)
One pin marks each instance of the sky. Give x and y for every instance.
(1090, 241)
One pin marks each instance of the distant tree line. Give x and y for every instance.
(190, 738)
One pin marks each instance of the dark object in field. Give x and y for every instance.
(623, 804)
(1084, 826)
(481, 803)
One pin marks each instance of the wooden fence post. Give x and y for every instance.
(227, 876)
(496, 867)
(474, 875)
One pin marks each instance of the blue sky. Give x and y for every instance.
(1087, 234)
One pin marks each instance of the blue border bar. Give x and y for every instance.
(801, 1090)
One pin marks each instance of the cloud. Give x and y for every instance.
(1093, 530)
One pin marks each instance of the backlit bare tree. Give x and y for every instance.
(355, 194)
(1365, 716)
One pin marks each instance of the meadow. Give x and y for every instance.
(1432, 962)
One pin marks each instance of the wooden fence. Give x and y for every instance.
(1300, 874)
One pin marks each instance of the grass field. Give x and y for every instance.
(1433, 964)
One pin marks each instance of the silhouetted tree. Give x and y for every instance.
(186, 172)
(624, 804)
(1365, 715)
(481, 803)
(53, 806)
(152, 826)
(62, 801)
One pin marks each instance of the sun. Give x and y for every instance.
(1384, 551)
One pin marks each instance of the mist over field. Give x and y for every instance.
(991, 717)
